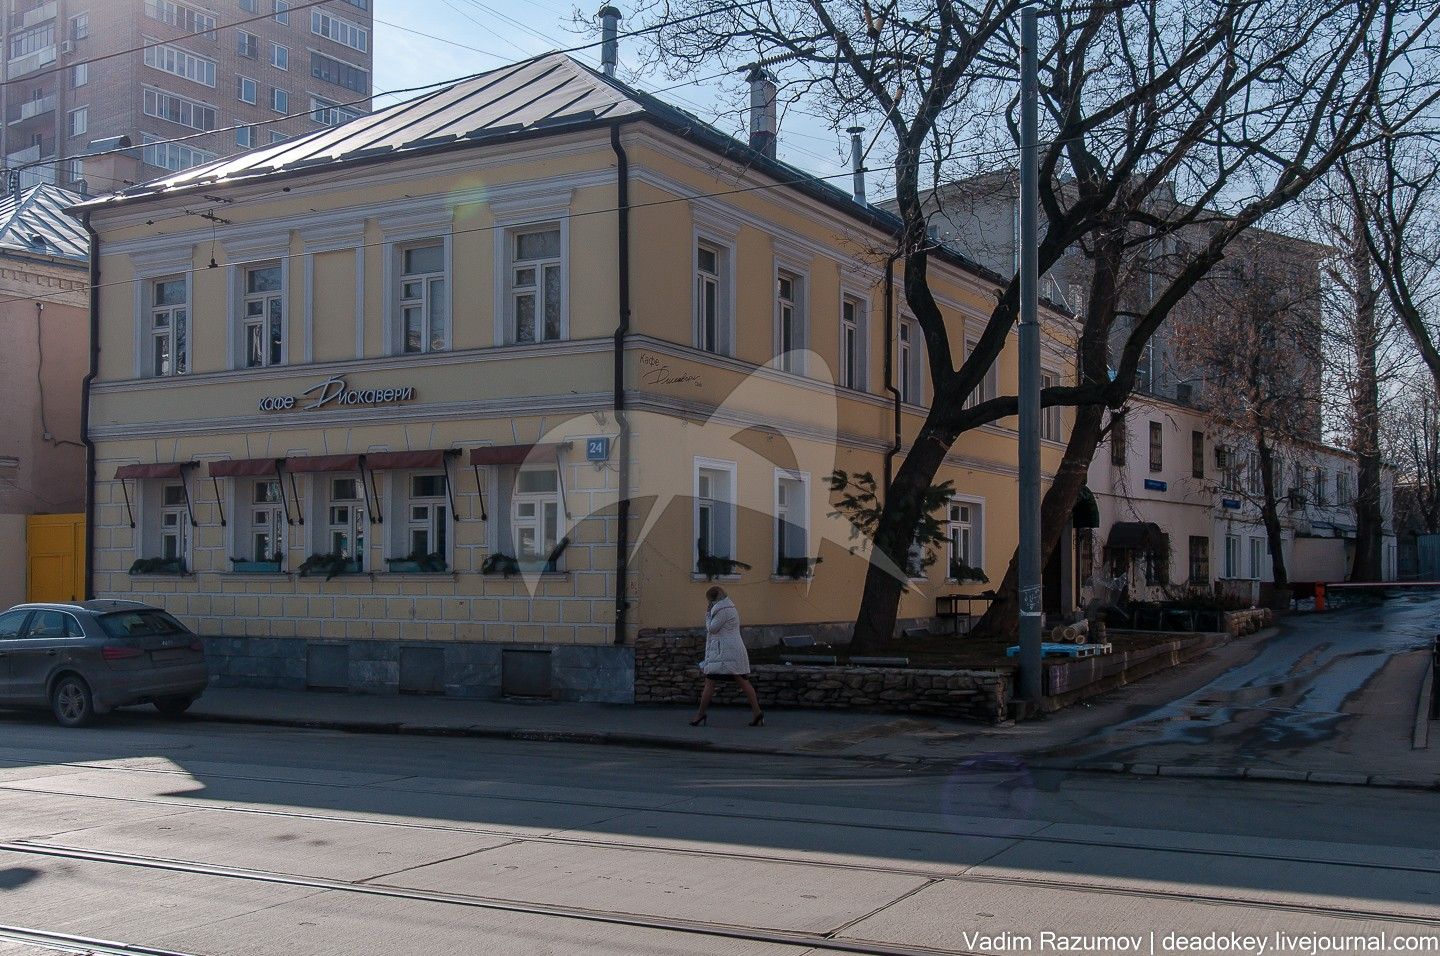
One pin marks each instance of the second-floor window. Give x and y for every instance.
(852, 343)
(712, 298)
(1255, 482)
(1342, 487)
(536, 285)
(264, 317)
(790, 321)
(168, 322)
(1117, 440)
(1157, 446)
(988, 383)
(1050, 427)
(1197, 454)
(424, 312)
(1319, 486)
(907, 362)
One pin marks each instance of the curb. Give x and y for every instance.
(617, 739)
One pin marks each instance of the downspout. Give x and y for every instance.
(894, 449)
(85, 408)
(622, 440)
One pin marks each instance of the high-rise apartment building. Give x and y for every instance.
(78, 71)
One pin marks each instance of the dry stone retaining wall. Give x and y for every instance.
(666, 672)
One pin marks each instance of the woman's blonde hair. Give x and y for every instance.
(716, 593)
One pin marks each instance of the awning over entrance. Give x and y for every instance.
(245, 467)
(1086, 513)
(172, 469)
(321, 463)
(404, 460)
(1137, 536)
(515, 454)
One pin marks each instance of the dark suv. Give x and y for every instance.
(86, 659)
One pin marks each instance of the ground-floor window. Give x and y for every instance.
(714, 512)
(346, 520)
(535, 518)
(1199, 561)
(792, 523)
(265, 517)
(427, 523)
(1257, 557)
(1232, 556)
(964, 538)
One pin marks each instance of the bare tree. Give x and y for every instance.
(1411, 442)
(1159, 118)
(1251, 334)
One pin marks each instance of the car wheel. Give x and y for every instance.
(173, 706)
(71, 702)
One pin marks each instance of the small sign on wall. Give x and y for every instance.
(1155, 484)
(597, 449)
(1232, 503)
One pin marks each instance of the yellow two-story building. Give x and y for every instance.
(459, 396)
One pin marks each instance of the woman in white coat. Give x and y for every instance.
(725, 655)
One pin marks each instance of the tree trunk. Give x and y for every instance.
(1369, 519)
(880, 601)
(1270, 512)
(1002, 619)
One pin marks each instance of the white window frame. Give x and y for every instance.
(538, 523)
(176, 331)
(976, 526)
(190, 114)
(245, 136)
(174, 523)
(855, 329)
(342, 31)
(244, 42)
(784, 513)
(77, 121)
(356, 523)
(989, 383)
(909, 364)
(180, 62)
(1232, 556)
(240, 88)
(253, 518)
(732, 476)
(438, 520)
(1254, 481)
(329, 113)
(508, 264)
(279, 100)
(79, 75)
(1051, 425)
(279, 56)
(797, 306)
(247, 322)
(282, 12)
(425, 302)
(724, 281)
(1257, 557)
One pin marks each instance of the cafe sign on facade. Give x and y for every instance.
(334, 391)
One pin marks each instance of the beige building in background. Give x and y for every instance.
(44, 354)
(447, 340)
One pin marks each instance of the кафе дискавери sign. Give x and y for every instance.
(334, 391)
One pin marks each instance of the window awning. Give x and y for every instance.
(322, 463)
(404, 460)
(515, 454)
(172, 469)
(245, 468)
(1137, 536)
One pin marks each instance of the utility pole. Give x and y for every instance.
(1031, 603)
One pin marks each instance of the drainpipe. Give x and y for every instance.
(85, 408)
(622, 440)
(894, 449)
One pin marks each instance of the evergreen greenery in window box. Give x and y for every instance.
(506, 565)
(330, 565)
(500, 563)
(796, 568)
(417, 563)
(250, 566)
(713, 566)
(158, 566)
(960, 572)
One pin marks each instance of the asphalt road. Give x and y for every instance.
(199, 838)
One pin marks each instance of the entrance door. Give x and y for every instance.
(55, 567)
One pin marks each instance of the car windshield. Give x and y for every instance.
(147, 623)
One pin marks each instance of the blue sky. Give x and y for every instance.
(424, 41)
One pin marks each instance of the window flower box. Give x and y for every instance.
(158, 566)
(417, 564)
(255, 567)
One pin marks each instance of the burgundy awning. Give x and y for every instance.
(168, 470)
(322, 463)
(244, 468)
(404, 460)
(514, 454)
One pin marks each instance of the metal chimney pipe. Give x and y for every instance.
(609, 39)
(857, 162)
(762, 112)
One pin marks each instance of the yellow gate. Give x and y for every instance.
(55, 547)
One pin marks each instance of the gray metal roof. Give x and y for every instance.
(533, 95)
(35, 223)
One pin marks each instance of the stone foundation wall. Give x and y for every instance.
(1240, 623)
(666, 672)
